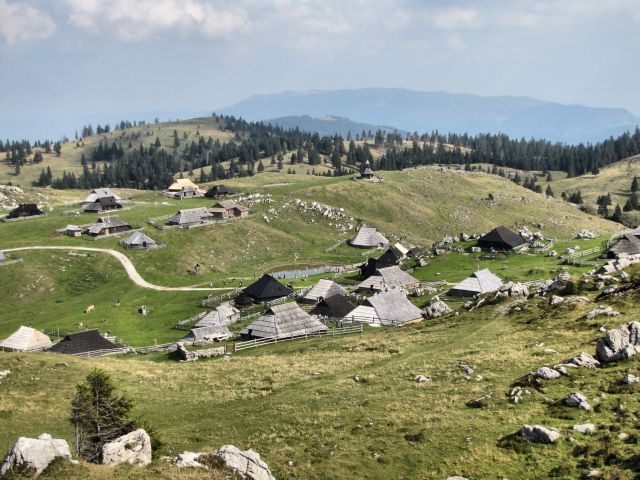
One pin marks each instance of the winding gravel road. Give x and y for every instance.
(128, 266)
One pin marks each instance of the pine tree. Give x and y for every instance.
(617, 215)
(549, 192)
(99, 415)
(634, 185)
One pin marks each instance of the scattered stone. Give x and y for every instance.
(481, 401)
(602, 311)
(586, 234)
(133, 448)
(620, 343)
(192, 356)
(466, 368)
(562, 370)
(247, 463)
(539, 434)
(629, 378)
(547, 373)
(555, 300)
(479, 378)
(623, 436)
(34, 453)
(189, 460)
(583, 360)
(585, 428)
(578, 400)
(550, 350)
(552, 253)
(357, 379)
(456, 478)
(422, 379)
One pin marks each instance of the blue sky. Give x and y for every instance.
(78, 58)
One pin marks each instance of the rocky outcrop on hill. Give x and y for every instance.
(246, 463)
(133, 448)
(577, 400)
(584, 360)
(34, 453)
(619, 344)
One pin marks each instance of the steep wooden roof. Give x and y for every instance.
(482, 281)
(25, 339)
(501, 238)
(82, 342)
(323, 289)
(368, 237)
(284, 321)
(267, 288)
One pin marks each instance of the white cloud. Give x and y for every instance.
(22, 23)
(456, 18)
(133, 20)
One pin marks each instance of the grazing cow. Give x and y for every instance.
(90, 309)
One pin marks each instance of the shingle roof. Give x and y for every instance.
(336, 306)
(324, 288)
(368, 237)
(628, 243)
(182, 183)
(364, 314)
(139, 239)
(82, 342)
(388, 278)
(190, 216)
(284, 321)
(218, 190)
(31, 209)
(501, 238)
(267, 288)
(482, 281)
(97, 193)
(393, 307)
(107, 222)
(207, 334)
(224, 314)
(25, 339)
(102, 203)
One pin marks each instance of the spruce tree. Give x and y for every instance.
(99, 415)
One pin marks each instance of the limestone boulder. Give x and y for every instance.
(539, 434)
(584, 360)
(189, 460)
(547, 373)
(577, 400)
(436, 308)
(246, 462)
(619, 343)
(585, 428)
(34, 453)
(133, 448)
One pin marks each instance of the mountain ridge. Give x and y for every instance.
(411, 110)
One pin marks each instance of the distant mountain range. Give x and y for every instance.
(328, 125)
(446, 112)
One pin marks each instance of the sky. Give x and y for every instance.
(62, 59)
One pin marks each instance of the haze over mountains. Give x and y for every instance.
(446, 112)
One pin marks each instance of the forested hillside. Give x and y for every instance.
(145, 156)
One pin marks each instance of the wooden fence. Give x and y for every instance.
(221, 296)
(153, 348)
(239, 346)
(102, 353)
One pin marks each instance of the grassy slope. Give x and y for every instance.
(332, 427)
(408, 205)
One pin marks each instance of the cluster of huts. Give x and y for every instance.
(27, 339)
(101, 200)
(222, 210)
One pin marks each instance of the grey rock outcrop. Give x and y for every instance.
(602, 311)
(189, 460)
(584, 360)
(577, 400)
(547, 373)
(585, 428)
(436, 308)
(619, 344)
(246, 462)
(133, 448)
(629, 378)
(34, 453)
(539, 434)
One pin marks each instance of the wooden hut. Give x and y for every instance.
(334, 306)
(139, 240)
(108, 226)
(368, 237)
(628, 244)
(25, 210)
(482, 281)
(191, 217)
(388, 259)
(83, 342)
(98, 193)
(218, 191)
(103, 204)
(386, 308)
(223, 314)
(501, 238)
(284, 321)
(266, 289)
(208, 334)
(229, 209)
(323, 289)
(388, 278)
(25, 339)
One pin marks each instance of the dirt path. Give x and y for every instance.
(128, 266)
